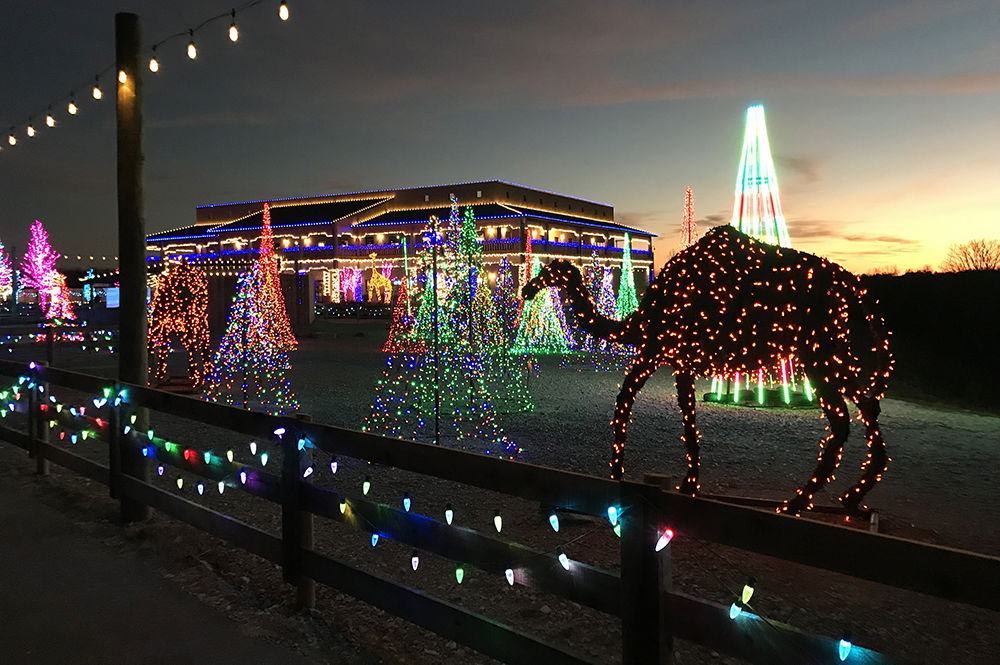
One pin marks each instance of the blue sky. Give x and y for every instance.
(882, 116)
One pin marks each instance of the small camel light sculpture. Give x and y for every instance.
(730, 304)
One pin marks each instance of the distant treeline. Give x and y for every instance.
(946, 336)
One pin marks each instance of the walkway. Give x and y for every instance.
(66, 598)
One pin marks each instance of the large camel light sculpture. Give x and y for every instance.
(731, 304)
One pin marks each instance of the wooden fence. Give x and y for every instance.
(651, 613)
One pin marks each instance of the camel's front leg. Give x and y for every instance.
(635, 378)
(691, 436)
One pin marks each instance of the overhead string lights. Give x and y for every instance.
(97, 93)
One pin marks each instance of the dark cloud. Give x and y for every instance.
(805, 168)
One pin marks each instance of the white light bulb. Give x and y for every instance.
(414, 560)
(283, 11)
(12, 139)
(71, 108)
(122, 76)
(154, 64)
(234, 32)
(30, 131)
(96, 92)
(509, 574)
(192, 50)
(50, 121)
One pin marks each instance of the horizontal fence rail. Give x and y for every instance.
(940, 571)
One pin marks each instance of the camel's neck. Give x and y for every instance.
(587, 316)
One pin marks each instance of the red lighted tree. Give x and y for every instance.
(402, 335)
(272, 301)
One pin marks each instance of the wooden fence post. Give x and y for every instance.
(115, 443)
(646, 636)
(296, 524)
(37, 425)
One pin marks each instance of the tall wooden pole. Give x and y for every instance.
(132, 358)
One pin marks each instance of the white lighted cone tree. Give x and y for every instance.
(757, 213)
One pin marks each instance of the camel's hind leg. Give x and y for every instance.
(876, 462)
(691, 436)
(635, 378)
(831, 449)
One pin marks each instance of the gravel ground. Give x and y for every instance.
(938, 489)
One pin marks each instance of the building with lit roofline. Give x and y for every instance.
(321, 235)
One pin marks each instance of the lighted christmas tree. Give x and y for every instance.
(57, 304)
(402, 335)
(504, 374)
(757, 202)
(506, 302)
(251, 368)
(446, 393)
(628, 302)
(38, 265)
(179, 316)
(542, 327)
(757, 212)
(272, 299)
(689, 227)
(6, 274)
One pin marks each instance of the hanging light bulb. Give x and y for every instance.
(333, 465)
(735, 610)
(180, 483)
(263, 458)
(664, 540)
(449, 514)
(366, 486)
(747, 591)
(509, 574)
(154, 64)
(563, 559)
(230, 456)
(283, 11)
(12, 139)
(253, 447)
(72, 108)
(122, 76)
(192, 50)
(497, 521)
(222, 487)
(234, 32)
(459, 574)
(243, 477)
(201, 489)
(307, 472)
(96, 92)
(613, 515)
(207, 456)
(414, 560)
(554, 522)
(50, 121)
(343, 506)
(30, 130)
(844, 647)
(406, 503)
(374, 539)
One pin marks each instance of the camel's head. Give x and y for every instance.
(557, 273)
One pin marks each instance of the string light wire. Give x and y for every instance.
(93, 82)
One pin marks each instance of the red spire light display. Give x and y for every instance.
(272, 301)
(689, 227)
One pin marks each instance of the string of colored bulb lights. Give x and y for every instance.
(49, 115)
(225, 471)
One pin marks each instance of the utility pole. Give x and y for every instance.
(132, 356)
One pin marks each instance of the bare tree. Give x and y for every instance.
(982, 254)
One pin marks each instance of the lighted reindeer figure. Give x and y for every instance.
(179, 313)
(731, 304)
(379, 284)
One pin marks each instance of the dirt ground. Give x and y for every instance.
(939, 488)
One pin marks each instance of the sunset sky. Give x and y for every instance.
(884, 117)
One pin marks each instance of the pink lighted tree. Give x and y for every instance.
(38, 265)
